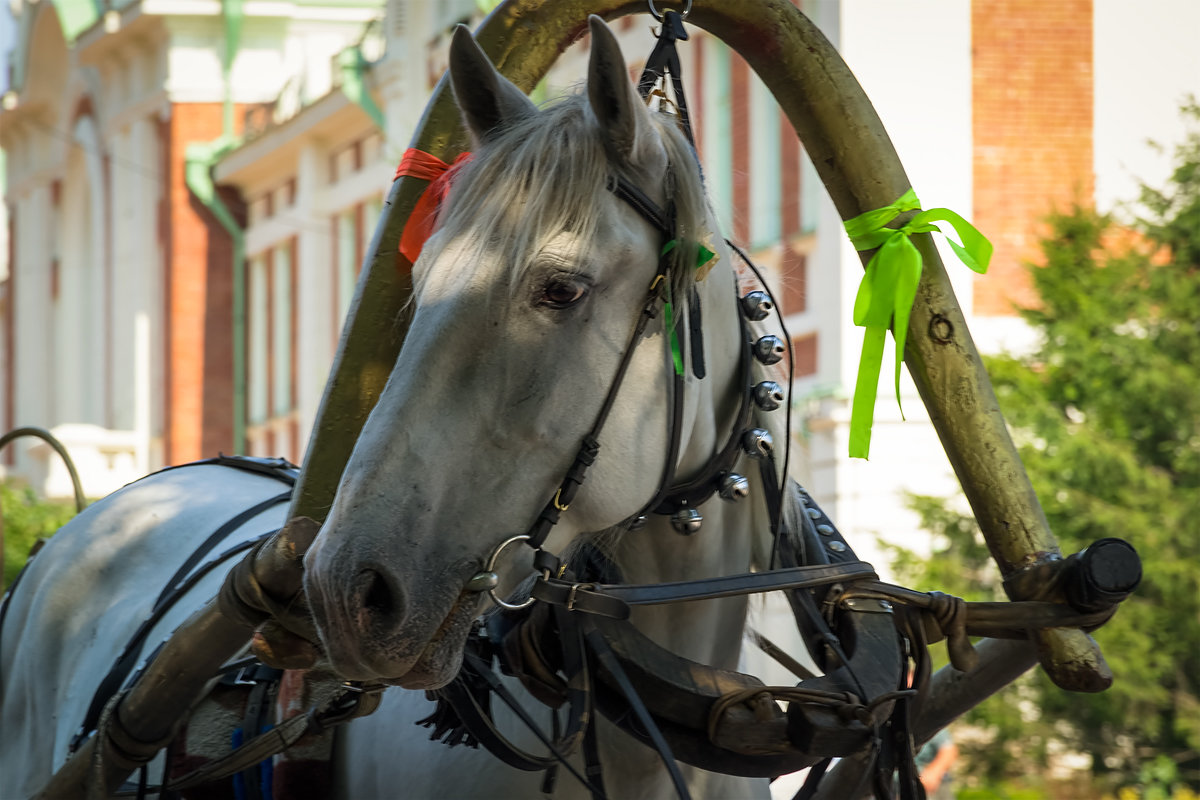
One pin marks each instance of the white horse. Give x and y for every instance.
(525, 300)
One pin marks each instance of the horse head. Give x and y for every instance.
(525, 298)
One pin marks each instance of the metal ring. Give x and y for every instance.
(654, 12)
(491, 567)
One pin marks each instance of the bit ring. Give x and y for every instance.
(491, 567)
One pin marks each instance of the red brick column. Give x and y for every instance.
(199, 302)
(1032, 88)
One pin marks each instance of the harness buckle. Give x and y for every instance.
(574, 590)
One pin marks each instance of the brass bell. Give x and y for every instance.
(687, 521)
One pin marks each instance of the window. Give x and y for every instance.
(345, 238)
(257, 340)
(352, 233)
(717, 155)
(273, 428)
(765, 179)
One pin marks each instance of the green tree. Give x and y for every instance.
(1106, 413)
(27, 519)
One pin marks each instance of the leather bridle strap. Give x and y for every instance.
(590, 446)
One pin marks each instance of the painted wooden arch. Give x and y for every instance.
(861, 171)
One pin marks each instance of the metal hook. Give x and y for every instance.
(654, 12)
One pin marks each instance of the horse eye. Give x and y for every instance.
(562, 293)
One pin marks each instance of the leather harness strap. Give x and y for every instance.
(614, 601)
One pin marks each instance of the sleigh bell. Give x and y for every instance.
(769, 350)
(756, 306)
(757, 442)
(768, 395)
(734, 487)
(687, 521)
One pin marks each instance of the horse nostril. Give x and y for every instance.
(378, 601)
(378, 597)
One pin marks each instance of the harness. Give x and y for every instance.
(576, 652)
(580, 629)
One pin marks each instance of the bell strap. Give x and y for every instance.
(663, 59)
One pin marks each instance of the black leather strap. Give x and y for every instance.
(128, 659)
(614, 601)
(608, 660)
(664, 59)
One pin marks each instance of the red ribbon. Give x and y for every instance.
(423, 166)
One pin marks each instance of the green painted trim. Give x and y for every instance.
(76, 16)
(354, 85)
(199, 159)
(232, 16)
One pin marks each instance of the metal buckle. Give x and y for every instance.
(575, 587)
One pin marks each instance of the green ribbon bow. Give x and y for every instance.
(886, 294)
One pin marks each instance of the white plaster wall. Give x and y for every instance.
(1146, 64)
(127, 270)
(32, 323)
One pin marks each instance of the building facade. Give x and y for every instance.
(118, 315)
(136, 317)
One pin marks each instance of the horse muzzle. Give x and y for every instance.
(378, 624)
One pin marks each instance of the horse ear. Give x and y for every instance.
(489, 102)
(613, 98)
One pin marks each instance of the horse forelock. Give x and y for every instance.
(548, 174)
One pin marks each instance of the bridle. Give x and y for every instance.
(588, 617)
(668, 498)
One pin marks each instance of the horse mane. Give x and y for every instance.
(548, 173)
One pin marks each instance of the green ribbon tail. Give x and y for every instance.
(905, 260)
(673, 335)
(975, 252)
(862, 412)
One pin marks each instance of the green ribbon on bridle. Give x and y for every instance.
(703, 258)
(888, 289)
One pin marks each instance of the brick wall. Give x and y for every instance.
(199, 302)
(1032, 127)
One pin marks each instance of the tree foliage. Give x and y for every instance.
(26, 519)
(1106, 413)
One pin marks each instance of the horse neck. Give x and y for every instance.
(706, 631)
